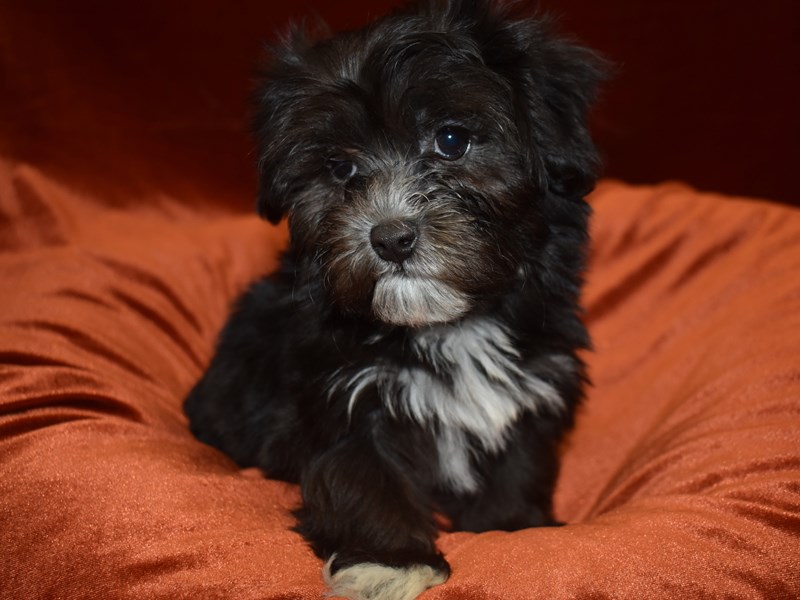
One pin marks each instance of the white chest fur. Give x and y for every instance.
(471, 390)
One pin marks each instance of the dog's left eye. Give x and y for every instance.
(342, 169)
(451, 142)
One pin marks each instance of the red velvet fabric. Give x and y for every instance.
(126, 232)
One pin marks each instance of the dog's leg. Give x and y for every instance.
(366, 516)
(517, 485)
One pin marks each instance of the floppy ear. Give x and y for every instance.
(273, 192)
(566, 78)
(278, 118)
(555, 82)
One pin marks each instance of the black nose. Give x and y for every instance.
(394, 240)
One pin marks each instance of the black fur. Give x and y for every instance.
(504, 228)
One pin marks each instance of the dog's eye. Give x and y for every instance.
(342, 169)
(451, 143)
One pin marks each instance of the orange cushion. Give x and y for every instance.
(682, 477)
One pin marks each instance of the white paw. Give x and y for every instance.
(373, 581)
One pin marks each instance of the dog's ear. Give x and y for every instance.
(273, 192)
(555, 83)
(277, 115)
(565, 78)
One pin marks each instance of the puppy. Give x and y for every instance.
(416, 351)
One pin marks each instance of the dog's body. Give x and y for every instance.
(416, 352)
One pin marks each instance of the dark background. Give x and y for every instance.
(133, 96)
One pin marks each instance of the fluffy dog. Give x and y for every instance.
(416, 351)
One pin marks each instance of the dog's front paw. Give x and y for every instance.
(376, 581)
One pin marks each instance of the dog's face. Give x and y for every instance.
(418, 159)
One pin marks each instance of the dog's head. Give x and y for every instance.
(423, 159)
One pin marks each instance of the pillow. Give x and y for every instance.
(681, 478)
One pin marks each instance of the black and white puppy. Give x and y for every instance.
(416, 352)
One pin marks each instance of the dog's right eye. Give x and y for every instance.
(451, 143)
(342, 170)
